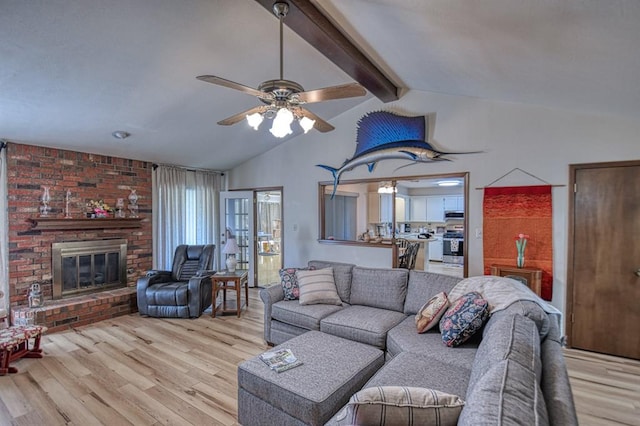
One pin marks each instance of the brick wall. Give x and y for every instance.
(87, 176)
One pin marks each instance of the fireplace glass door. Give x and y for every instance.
(88, 266)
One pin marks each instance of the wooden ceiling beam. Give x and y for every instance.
(308, 22)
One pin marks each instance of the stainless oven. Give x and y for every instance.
(453, 248)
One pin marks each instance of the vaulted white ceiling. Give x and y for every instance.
(73, 72)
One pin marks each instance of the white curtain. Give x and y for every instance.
(4, 232)
(185, 206)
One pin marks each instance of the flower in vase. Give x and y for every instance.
(521, 244)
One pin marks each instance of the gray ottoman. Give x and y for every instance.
(333, 369)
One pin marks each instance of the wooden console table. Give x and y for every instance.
(229, 281)
(532, 276)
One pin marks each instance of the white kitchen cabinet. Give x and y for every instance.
(435, 208)
(401, 209)
(379, 208)
(386, 207)
(453, 203)
(438, 204)
(419, 209)
(435, 249)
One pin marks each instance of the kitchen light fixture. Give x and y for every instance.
(387, 188)
(448, 183)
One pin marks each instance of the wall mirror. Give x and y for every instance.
(379, 212)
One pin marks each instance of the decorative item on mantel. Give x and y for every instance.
(521, 244)
(98, 209)
(230, 249)
(67, 199)
(46, 198)
(133, 203)
(119, 207)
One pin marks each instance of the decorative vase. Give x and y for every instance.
(521, 244)
(119, 206)
(231, 263)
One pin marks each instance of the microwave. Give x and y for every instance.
(453, 215)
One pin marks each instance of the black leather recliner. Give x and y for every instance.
(183, 292)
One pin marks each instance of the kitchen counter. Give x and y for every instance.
(422, 261)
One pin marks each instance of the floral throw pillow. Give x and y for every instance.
(431, 312)
(463, 319)
(289, 282)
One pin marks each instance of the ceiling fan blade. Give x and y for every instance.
(350, 90)
(232, 85)
(320, 125)
(236, 118)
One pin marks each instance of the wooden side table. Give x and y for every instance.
(229, 281)
(533, 276)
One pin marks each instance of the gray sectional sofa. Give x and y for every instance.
(510, 372)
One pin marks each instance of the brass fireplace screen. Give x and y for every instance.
(81, 267)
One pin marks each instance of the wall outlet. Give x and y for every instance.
(478, 233)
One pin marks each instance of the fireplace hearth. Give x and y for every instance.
(82, 267)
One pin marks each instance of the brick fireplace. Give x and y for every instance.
(87, 177)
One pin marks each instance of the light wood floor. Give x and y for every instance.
(148, 371)
(606, 389)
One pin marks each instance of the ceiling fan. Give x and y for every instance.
(283, 99)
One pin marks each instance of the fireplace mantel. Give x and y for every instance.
(55, 224)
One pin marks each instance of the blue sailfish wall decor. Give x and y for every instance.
(383, 135)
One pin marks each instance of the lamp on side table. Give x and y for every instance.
(230, 249)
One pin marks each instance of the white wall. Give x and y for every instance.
(542, 141)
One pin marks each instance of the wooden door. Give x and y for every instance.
(604, 264)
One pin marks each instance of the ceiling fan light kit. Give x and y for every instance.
(282, 123)
(283, 99)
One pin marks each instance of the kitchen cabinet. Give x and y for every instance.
(379, 208)
(418, 209)
(438, 204)
(373, 207)
(435, 249)
(435, 208)
(386, 207)
(453, 203)
(401, 209)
